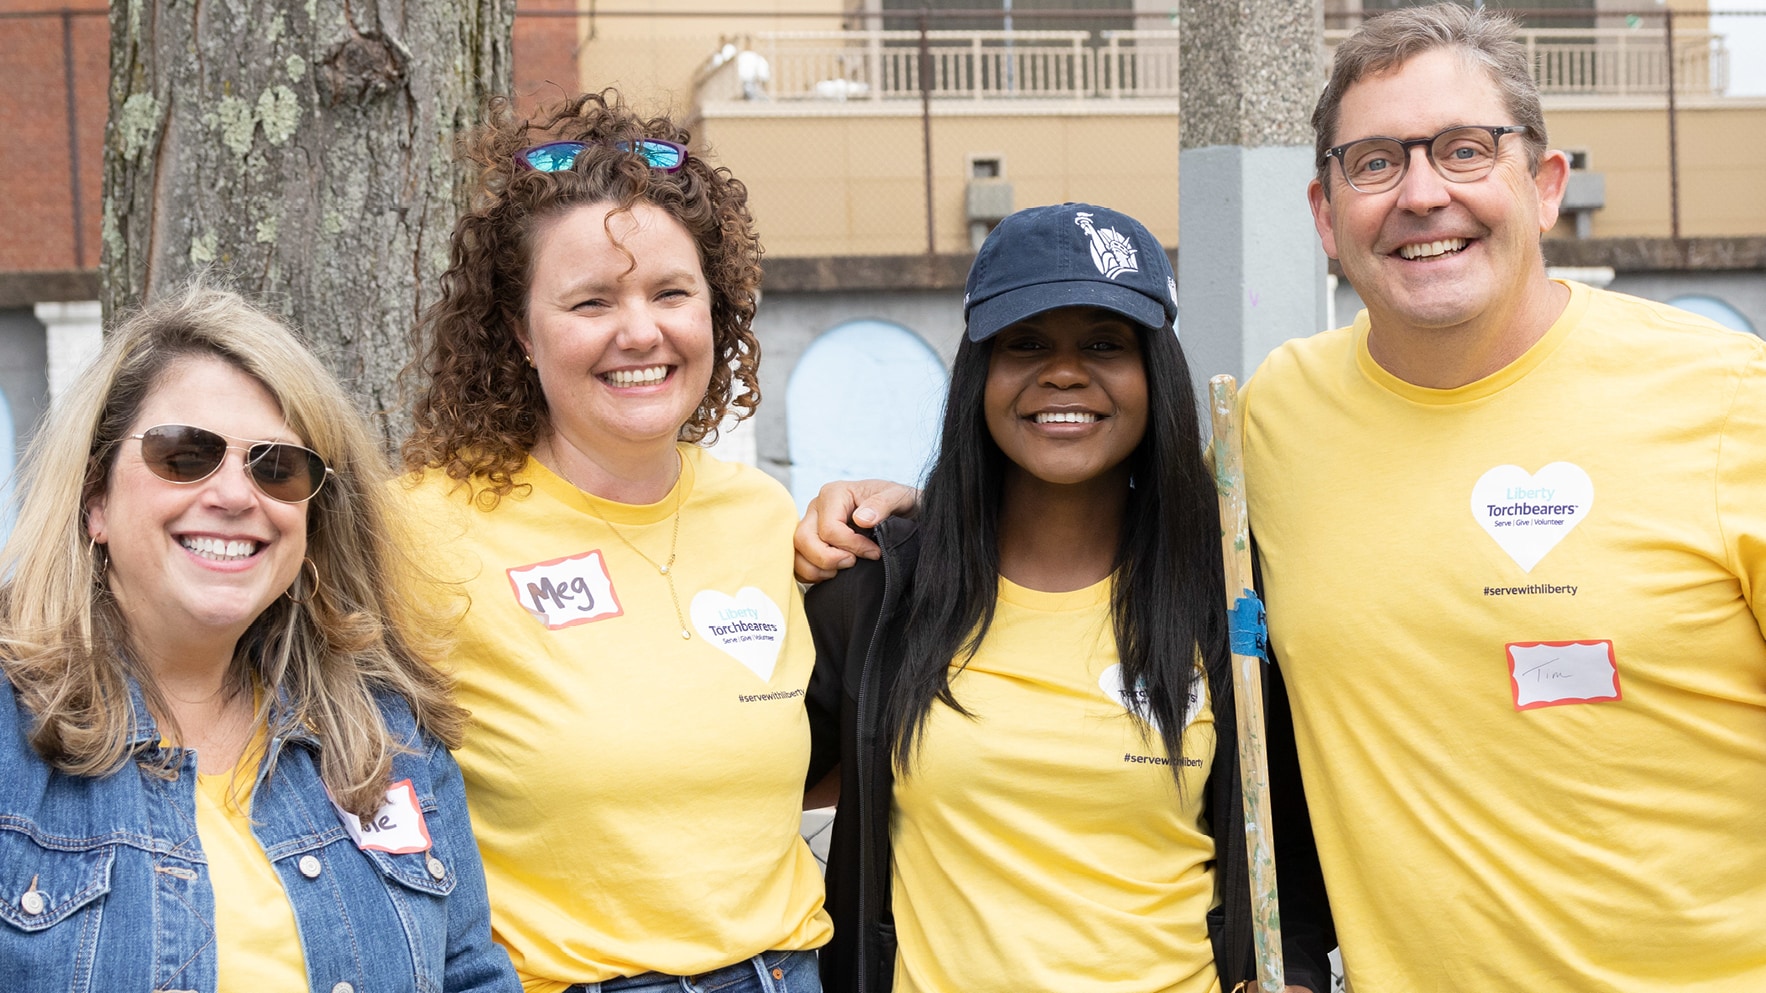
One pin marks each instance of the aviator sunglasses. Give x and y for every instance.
(179, 453)
(557, 156)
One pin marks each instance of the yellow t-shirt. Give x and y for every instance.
(256, 939)
(1044, 845)
(1520, 623)
(636, 794)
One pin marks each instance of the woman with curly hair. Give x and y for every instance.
(635, 653)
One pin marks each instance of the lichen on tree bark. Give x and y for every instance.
(301, 154)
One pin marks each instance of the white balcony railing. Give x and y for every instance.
(1137, 64)
(963, 65)
(1616, 61)
(827, 66)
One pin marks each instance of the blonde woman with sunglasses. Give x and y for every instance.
(635, 654)
(223, 759)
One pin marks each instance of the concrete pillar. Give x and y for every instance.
(75, 333)
(736, 443)
(1250, 271)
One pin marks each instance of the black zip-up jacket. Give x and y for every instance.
(853, 619)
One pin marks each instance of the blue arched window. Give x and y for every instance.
(865, 401)
(1716, 309)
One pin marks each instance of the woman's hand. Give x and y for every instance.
(826, 541)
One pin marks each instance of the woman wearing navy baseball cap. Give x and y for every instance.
(1026, 691)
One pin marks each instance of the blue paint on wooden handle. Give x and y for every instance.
(1246, 628)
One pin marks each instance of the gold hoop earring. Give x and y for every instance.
(100, 559)
(306, 564)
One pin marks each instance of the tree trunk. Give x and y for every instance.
(303, 152)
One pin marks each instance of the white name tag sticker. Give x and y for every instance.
(562, 592)
(397, 827)
(1554, 673)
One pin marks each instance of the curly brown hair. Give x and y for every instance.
(479, 408)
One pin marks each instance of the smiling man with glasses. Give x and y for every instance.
(1514, 536)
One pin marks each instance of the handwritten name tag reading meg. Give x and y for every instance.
(562, 592)
(397, 827)
(1553, 673)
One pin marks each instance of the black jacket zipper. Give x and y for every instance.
(867, 835)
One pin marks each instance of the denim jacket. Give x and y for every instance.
(104, 887)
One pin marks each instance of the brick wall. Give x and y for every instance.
(545, 53)
(37, 231)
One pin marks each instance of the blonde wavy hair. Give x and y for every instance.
(479, 408)
(363, 630)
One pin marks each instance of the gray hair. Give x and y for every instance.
(1483, 39)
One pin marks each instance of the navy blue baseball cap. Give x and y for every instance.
(1070, 255)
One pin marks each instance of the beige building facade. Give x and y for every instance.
(875, 162)
(819, 111)
(1722, 163)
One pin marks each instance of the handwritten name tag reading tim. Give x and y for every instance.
(566, 591)
(1554, 673)
(397, 827)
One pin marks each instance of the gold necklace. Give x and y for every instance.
(664, 569)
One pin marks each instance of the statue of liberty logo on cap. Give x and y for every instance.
(1110, 251)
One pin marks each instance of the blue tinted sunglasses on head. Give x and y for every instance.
(557, 156)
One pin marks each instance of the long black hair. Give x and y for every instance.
(1168, 600)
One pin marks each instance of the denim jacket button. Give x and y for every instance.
(435, 867)
(343, 988)
(309, 867)
(32, 903)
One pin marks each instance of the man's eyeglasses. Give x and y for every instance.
(557, 156)
(179, 453)
(1460, 155)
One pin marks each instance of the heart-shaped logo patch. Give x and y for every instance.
(1110, 681)
(1529, 514)
(749, 626)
